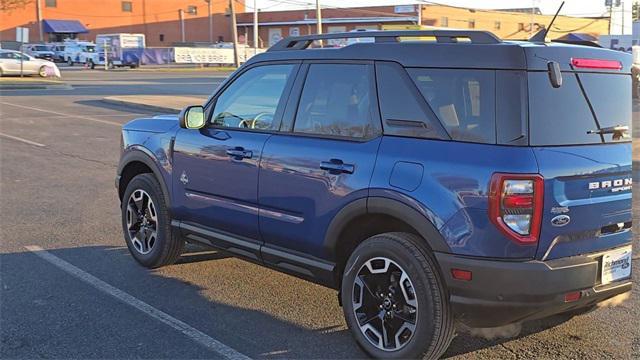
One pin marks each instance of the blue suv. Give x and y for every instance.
(428, 176)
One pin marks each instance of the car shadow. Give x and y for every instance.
(255, 333)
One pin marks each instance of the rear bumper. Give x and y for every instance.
(504, 292)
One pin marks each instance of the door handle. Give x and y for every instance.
(239, 153)
(337, 166)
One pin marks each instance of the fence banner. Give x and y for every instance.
(194, 55)
(148, 56)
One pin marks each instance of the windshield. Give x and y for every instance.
(586, 102)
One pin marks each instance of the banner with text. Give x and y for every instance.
(192, 55)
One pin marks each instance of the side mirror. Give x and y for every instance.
(555, 75)
(192, 117)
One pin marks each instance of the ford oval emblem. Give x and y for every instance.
(560, 220)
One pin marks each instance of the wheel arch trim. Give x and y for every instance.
(383, 206)
(141, 154)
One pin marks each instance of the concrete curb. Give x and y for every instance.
(137, 105)
(35, 87)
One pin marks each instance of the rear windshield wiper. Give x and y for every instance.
(618, 131)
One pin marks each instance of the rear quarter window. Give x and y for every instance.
(463, 101)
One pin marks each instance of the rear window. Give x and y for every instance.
(562, 116)
(463, 101)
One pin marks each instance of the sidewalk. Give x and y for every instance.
(156, 103)
(30, 83)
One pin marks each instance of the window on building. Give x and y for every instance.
(50, 3)
(161, 37)
(192, 9)
(472, 23)
(127, 6)
(444, 21)
(497, 25)
(336, 101)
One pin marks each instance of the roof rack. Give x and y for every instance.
(442, 36)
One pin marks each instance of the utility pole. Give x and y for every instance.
(234, 33)
(255, 27)
(318, 18)
(39, 20)
(210, 21)
(181, 15)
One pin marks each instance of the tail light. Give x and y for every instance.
(515, 206)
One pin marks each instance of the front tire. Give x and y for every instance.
(394, 299)
(147, 225)
(42, 71)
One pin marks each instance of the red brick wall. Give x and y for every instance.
(153, 17)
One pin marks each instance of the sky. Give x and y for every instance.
(571, 7)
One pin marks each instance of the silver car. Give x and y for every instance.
(10, 64)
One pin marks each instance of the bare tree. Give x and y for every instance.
(10, 5)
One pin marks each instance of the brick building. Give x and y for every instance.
(159, 20)
(506, 24)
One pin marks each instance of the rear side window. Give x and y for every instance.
(463, 100)
(562, 116)
(336, 101)
(404, 111)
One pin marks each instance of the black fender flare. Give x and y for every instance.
(389, 207)
(143, 155)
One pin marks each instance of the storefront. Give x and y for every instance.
(59, 30)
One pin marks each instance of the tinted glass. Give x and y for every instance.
(251, 101)
(511, 107)
(404, 112)
(610, 96)
(560, 116)
(336, 101)
(463, 100)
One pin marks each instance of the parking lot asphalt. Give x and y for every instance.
(83, 296)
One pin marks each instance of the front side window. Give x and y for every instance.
(250, 102)
(463, 100)
(336, 101)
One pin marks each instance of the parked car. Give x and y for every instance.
(13, 62)
(80, 52)
(58, 52)
(39, 51)
(480, 181)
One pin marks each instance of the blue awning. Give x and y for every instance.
(64, 27)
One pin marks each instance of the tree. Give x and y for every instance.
(10, 5)
(635, 10)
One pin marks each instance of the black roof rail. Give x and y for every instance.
(442, 36)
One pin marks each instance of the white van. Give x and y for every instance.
(80, 52)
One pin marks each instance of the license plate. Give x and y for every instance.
(616, 265)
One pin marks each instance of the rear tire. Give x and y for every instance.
(69, 62)
(147, 225)
(384, 278)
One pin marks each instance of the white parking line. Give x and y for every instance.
(22, 140)
(63, 114)
(191, 332)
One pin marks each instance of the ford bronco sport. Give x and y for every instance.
(428, 176)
